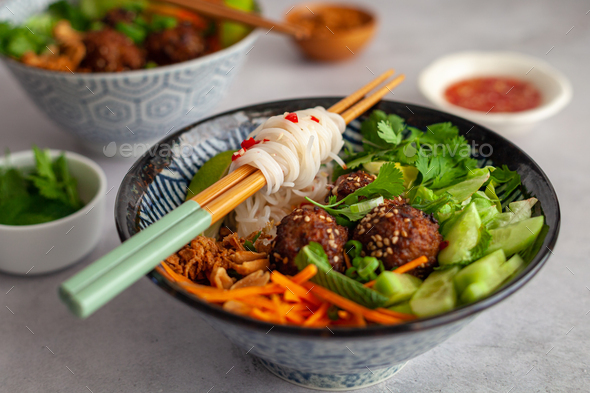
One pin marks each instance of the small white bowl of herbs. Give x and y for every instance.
(51, 210)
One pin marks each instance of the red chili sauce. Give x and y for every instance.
(494, 94)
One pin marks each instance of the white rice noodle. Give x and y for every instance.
(290, 160)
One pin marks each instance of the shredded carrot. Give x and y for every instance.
(297, 289)
(347, 261)
(175, 276)
(318, 315)
(278, 308)
(308, 272)
(351, 306)
(294, 316)
(265, 316)
(411, 265)
(240, 293)
(293, 300)
(258, 302)
(407, 317)
(301, 308)
(289, 296)
(358, 320)
(369, 284)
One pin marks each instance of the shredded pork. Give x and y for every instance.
(206, 259)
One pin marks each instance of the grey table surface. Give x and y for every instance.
(146, 341)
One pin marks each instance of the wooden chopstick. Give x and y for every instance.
(224, 184)
(347, 102)
(250, 19)
(364, 105)
(229, 200)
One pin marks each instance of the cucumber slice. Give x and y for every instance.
(475, 292)
(512, 265)
(515, 237)
(397, 287)
(403, 307)
(462, 237)
(484, 287)
(314, 254)
(232, 32)
(482, 270)
(436, 295)
(517, 211)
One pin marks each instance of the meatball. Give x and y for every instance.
(350, 182)
(303, 226)
(119, 15)
(182, 43)
(397, 233)
(110, 51)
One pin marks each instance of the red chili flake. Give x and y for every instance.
(248, 143)
(315, 119)
(235, 156)
(292, 117)
(444, 244)
(266, 140)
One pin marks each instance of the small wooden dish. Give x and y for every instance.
(333, 44)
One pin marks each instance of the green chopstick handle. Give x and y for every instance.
(110, 275)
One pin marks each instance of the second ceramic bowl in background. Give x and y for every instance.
(128, 107)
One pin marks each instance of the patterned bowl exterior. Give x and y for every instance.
(127, 107)
(337, 359)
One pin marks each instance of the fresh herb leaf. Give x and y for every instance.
(72, 13)
(133, 31)
(388, 134)
(389, 183)
(503, 182)
(13, 185)
(47, 194)
(162, 22)
(68, 183)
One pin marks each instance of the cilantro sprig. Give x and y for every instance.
(388, 184)
(46, 194)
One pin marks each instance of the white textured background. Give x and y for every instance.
(145, 341)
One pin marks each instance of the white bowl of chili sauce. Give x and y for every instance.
(505, 91)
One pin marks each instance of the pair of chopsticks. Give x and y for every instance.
(104, 279)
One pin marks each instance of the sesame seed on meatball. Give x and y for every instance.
(350, 182)
(396, 233)
(301, 227)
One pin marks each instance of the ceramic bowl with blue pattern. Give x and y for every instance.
(328, 358)
(134, 107)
